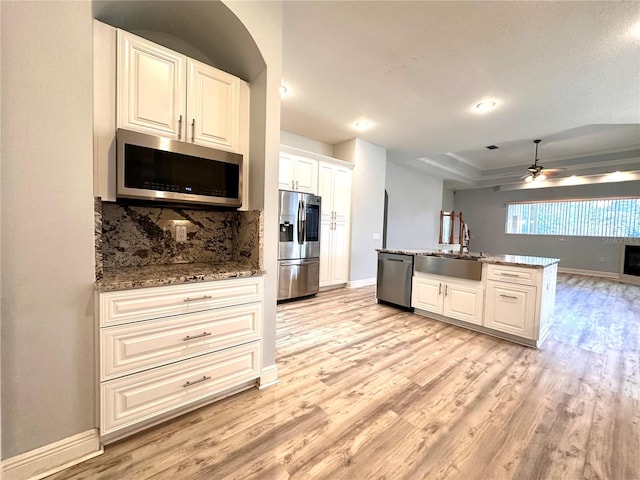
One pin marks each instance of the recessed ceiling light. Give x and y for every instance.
(284, 90)
(635, 30)
(486, 106)
(363, 125)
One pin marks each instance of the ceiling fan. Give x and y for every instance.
(538, 172)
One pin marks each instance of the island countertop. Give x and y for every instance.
(499, 259)
(173, 274)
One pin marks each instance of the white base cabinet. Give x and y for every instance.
(165, 349)
(511, 308)
(512, 302)
(453, 298)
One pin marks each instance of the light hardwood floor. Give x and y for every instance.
(369, 391)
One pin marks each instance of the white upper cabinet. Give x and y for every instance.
(213, 99)
(299, 174)
(164, 93)
(151, 92)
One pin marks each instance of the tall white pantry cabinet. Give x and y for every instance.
(334, 186)
(330, 178)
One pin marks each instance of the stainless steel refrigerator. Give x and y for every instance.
(299, 248)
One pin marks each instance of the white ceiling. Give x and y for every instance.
(566, 72)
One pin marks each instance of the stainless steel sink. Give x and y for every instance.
(450, 265)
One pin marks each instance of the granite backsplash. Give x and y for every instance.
(140, 236)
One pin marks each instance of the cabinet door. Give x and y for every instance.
(213, 107)
(511, 308)
(463, 303)
(150, 87)
(325, 190)
(306, 175)
(138, 346)
(339, 258)
(325, 252)
(341, 194)
(140, 397)
(426, 294)
(286, 172)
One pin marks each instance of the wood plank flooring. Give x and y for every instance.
(369, 391)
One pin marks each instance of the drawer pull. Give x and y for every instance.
(200, 380)
(203, 334)
(204, 297)
(510, 275)
(508, 296)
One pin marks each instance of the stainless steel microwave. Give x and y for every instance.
(161, 169)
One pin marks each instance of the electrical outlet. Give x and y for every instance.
(181, 233)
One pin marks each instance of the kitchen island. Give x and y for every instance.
(508, 296)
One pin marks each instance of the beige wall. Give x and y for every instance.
(305, 143)
(47, 253)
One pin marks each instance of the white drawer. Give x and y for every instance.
(130, 348)
(143, 396)
(505, 273)
(127, 306)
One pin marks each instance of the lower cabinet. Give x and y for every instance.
(451, 298)
(132, 399)
(512, 302)
(511, 308)
(164, 350)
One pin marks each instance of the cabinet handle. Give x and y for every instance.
(204, 297)
(296, 184)
(510, 275)
(509, 296)
(200, 380)
(203, 334)
(293, 185)
(446, 289)
(180, 128)
(193, 130)
(439, 289)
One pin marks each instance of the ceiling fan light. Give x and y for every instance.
(540, 177)
(528, 179)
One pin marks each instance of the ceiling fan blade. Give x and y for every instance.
(554, 170)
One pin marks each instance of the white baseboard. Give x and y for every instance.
(268, 376)
(54, 457)
(590, 273)
(361, 283)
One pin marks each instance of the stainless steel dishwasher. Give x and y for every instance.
(393, 284)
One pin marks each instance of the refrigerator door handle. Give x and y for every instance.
(300, 223)
(303, 238)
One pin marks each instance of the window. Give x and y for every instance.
(606, 217)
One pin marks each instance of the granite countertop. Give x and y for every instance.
(174, 274)
(515, 260)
